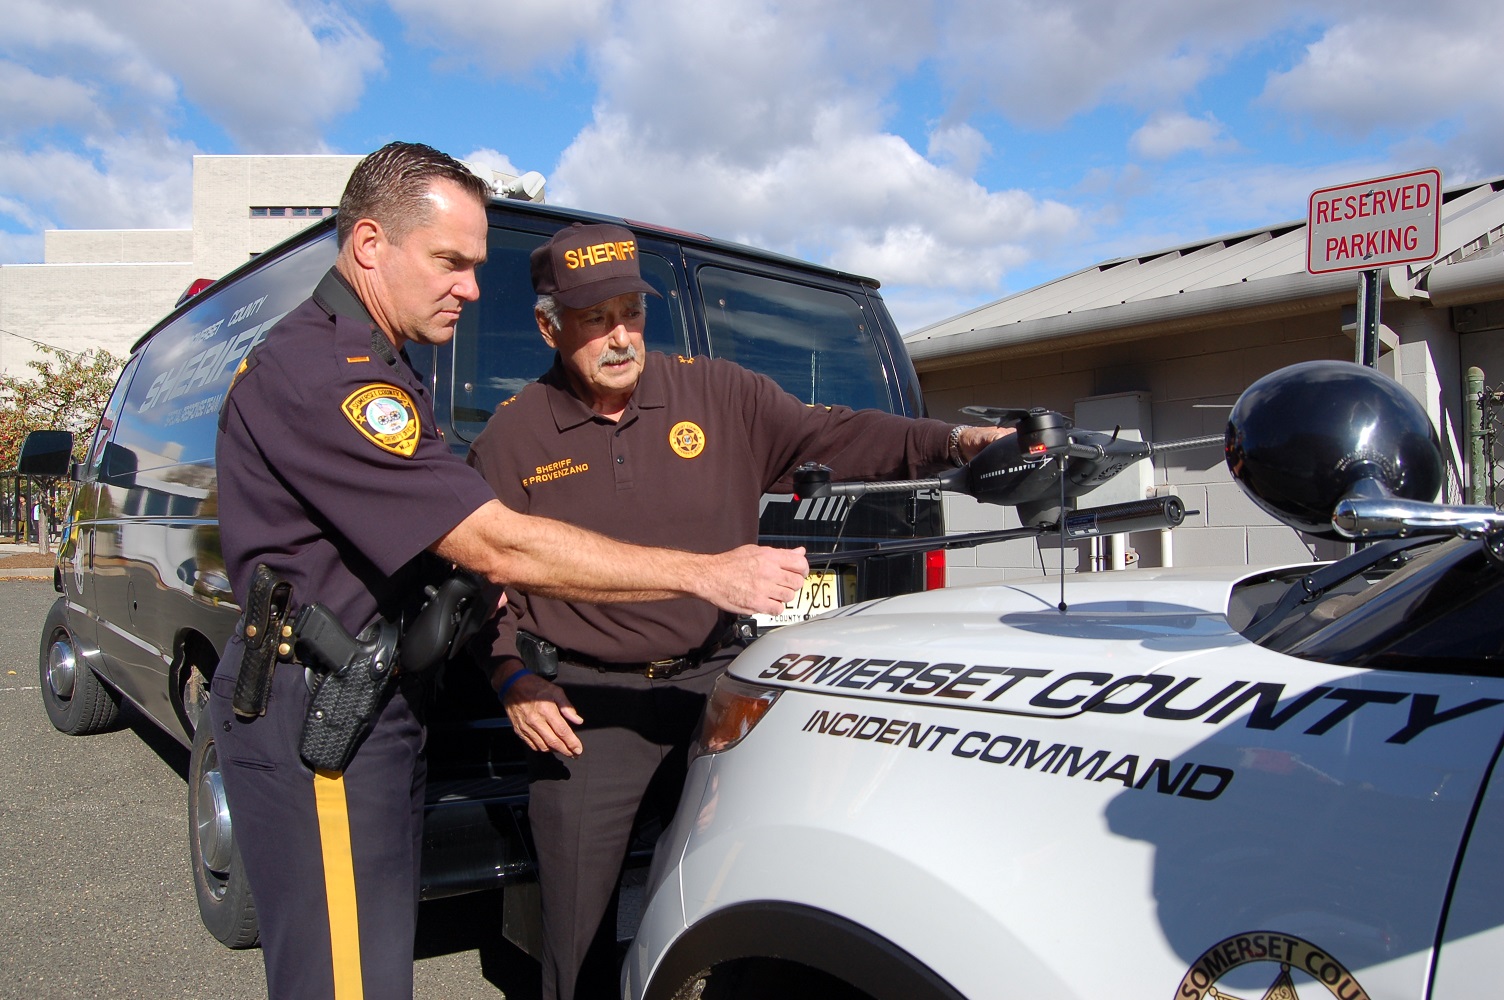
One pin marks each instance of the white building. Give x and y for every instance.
(1162, 345)
(104, 288)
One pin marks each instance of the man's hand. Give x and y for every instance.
(541, 714)
(754, 579)
(974, 439)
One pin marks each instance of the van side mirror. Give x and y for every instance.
(46, 453)
(117, 466)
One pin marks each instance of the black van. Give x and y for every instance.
(146, 604)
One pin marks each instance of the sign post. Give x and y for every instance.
(1370, 225)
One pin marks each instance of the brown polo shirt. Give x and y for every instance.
(685, 467)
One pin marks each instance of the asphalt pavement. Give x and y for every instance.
(96, 895)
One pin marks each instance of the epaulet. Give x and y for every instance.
(682, 359)
(247, 364)
(509, 401)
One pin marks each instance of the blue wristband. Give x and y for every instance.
(501, 692)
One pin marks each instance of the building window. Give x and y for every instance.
(294, 212)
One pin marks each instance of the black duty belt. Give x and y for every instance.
(659, 669)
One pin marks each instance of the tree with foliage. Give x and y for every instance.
(67, 393)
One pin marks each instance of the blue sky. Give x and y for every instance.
(958, 150)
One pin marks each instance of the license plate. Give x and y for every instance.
(821, 592)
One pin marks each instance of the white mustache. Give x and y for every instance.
(615, 356)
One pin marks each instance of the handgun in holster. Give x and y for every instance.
(538, 655)
(352, 676)
(267, 637)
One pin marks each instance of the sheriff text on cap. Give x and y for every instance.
(582, 265)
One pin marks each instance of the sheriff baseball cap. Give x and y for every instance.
(583, 265)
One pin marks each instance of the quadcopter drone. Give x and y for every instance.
(1042, 469)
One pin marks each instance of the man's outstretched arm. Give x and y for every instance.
(555, 559)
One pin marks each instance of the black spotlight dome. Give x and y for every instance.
(1300, 439)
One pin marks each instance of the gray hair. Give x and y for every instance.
(553, 314)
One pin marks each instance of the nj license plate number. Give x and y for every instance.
(821, 592)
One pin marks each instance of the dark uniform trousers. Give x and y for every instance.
(337, 895)
(582, 810)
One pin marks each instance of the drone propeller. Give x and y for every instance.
(1002, 416)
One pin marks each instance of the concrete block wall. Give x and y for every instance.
(226, 187)
(77, 307)
(116, 246)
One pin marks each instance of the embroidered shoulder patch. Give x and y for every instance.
(683, 360)
(386, 416)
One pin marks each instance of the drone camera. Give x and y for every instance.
(811, 480)
(1044, 432)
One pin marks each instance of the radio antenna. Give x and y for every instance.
(1060, 459)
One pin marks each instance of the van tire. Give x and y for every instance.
(224, 896)
(77, 701)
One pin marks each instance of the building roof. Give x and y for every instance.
(1242, 277)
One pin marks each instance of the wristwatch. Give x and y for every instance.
(954, 448)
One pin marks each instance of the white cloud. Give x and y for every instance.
(793, 124)
(97, 91)
(1171, 133)
(960, 145)
(1042, 61)
(137, 183)
(1394, 68)
(504, 39)
(1403, 68)
(272, 73)
(29, 100)
(774, 135)
(857, 200)
(491, 160)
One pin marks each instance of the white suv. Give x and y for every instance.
(1184, 784)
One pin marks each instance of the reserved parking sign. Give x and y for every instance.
(1374, 223)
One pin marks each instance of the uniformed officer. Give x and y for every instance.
(332, 475)
(657, 450)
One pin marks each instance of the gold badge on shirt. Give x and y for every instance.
(686, 439)
(386, 416)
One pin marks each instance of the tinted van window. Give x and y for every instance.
(107, 421)
(172, 409)
(814, 342)
(497, 348)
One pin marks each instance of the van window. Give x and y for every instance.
(815, 342)
(171, 411)
(107, 420)
(497, 348)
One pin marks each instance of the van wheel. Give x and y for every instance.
(77, 701)
(224, 898)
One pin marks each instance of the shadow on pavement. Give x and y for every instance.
(473, 922)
